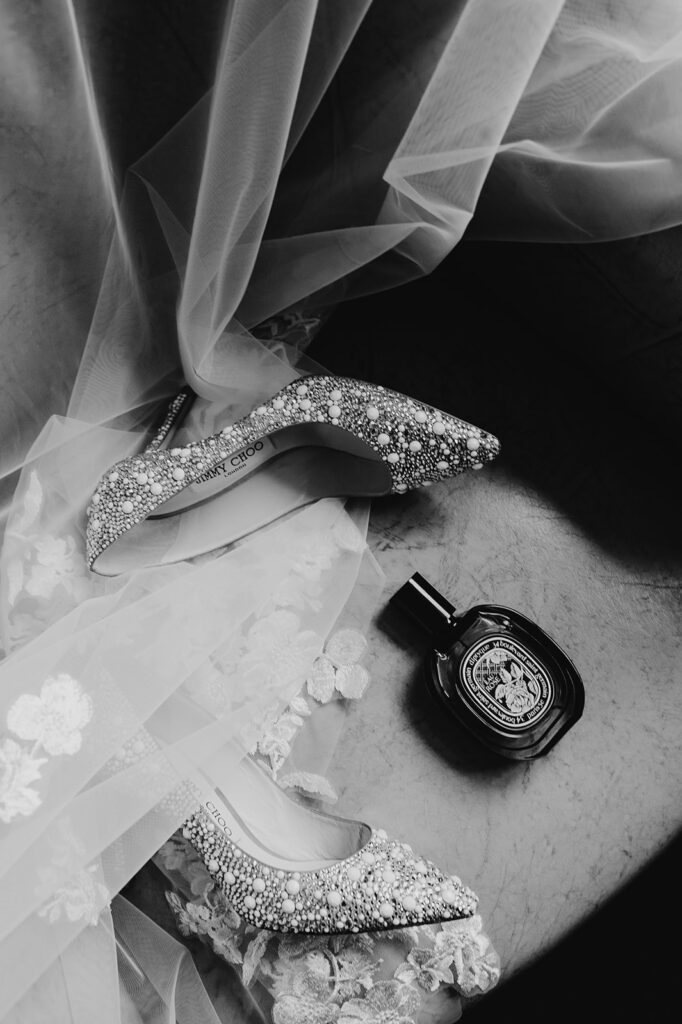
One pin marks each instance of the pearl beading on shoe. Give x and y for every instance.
(418, 443)
(384, 885)
(172, 412)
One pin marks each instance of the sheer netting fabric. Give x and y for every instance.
(188, 192)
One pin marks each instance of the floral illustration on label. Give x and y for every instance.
(506, 682)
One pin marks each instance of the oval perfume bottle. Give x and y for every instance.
(496, 671)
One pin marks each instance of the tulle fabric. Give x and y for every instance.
(339, 149)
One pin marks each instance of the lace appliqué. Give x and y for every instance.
(474, 962)
(338, 668)
(81, 899)
(56, 562)
(277, 646)
(390, 1002)
(45, 576)
(343, 978)
(277, 736)
(69, 890)
(53, 721)
(219, 925)
(462, 954)
(19, 767)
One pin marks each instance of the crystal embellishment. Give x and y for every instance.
(416, 443)
(384, 885)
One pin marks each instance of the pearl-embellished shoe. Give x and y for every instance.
(320, 436)
(308, 871)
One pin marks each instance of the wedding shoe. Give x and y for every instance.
(320, 436)
(298, 870)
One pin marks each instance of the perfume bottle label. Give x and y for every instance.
(506, 682)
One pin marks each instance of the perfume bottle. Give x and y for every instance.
(496, 671)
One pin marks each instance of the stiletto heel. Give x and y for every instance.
(320, 436)
(328, 875)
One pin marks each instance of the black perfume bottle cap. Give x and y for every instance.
(505, 679)
(424, 604)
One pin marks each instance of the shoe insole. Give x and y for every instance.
(372, 475)
(265, 823)
(286, 479)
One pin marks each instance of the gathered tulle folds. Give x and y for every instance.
(290, 154)
(344, 148)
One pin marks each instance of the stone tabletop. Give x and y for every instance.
(545, 842)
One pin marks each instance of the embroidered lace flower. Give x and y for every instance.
(475, 963)
(355, 967)
(316, 552)
(337, 668)
(218, 925)
(18, 769)
(310, 978)
(347, 535)
(277, 648)
(307, 1005)
(57, 562)
(173, 854)
(254, 954)
(82, 899)
(278, 731)
(311, 555)
(389, 1002)
(333, 969)
(55, 718)
(42, 562)
(426, 969)
(30, 507)
(44, 575)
